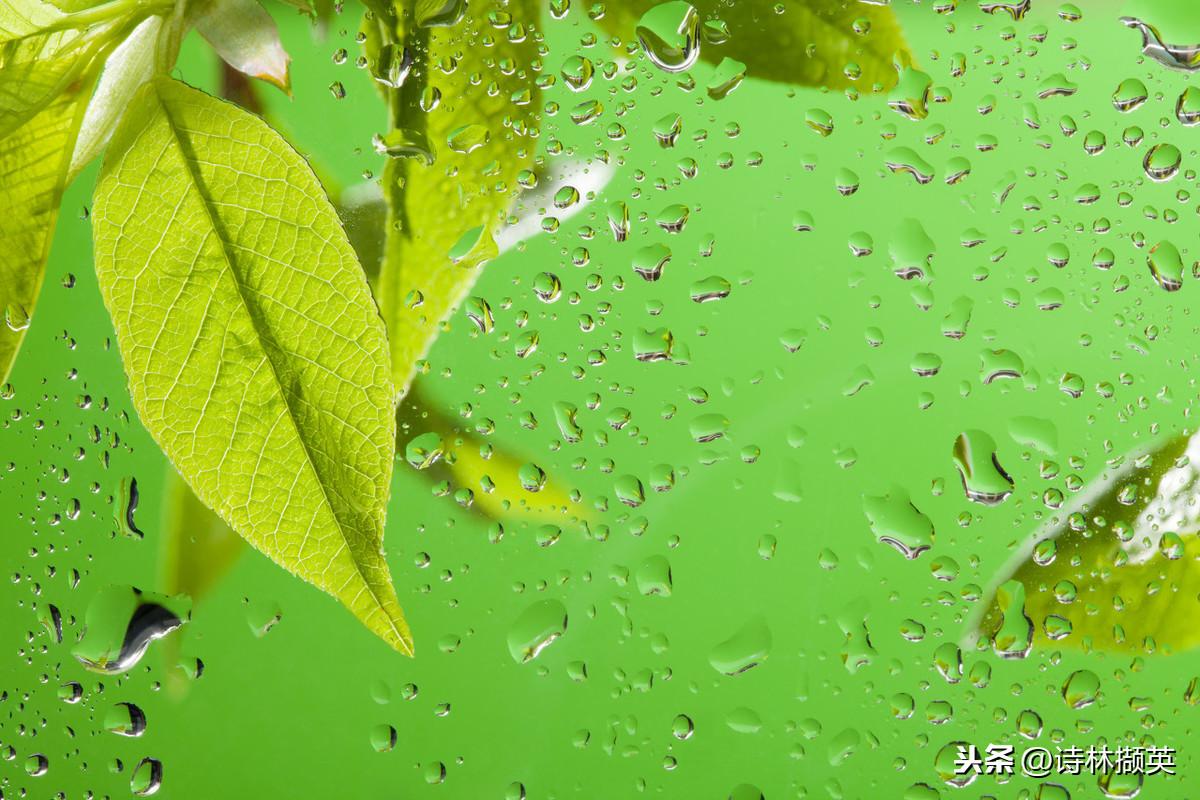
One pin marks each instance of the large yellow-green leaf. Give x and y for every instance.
(33, 174)
(453, 191)
(1118, 570)
(255, 355)
(805, 42)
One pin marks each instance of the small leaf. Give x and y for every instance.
(255, 355)
(435, 200)
(1118, 570)
(245, 36)
(809, 44)
(129, 66)
(33, 174)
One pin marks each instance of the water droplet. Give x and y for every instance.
(728, 75)
(403, 143)
(1130, 95)
(535, 629)
(1187, 107)
(383, 738)
(1185, 58)
(711, 288)
(16, 317)
(479, 312)
(394, 64)
(547, 287)
(911, 250)
(577, 71)
(122, 621)
(910, 96)
(468, 138)
(1081, 688)
(423, 451)
(983, 478)
(654, 577)
(895, 521)
(650, 261)
(125, 719)
(1016, 9)
(668, 33)
(1162, 162)
(147, 777)
(1166, 265)
(744, 650)
(37, 765)
(1120, 786)
(532, 477)
(127, 507)
(1014, 639)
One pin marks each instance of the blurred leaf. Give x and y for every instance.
(198, 548)
(1124, 574)
(364, 215)
(263, 376)
(33, 174)
(469, 461)
(45, 52)
(452, 190)
(245, 37)
(809, 44)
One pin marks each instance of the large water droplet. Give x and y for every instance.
(1162, 161)
(669, 34)
(1014, 639)
(536, 629)
(897, 522)
(147, 777)
(120, 624)
(1183, 57)
(983, 479)
(744, 650)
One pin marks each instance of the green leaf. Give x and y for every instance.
(255, 355)
(1118, 570)
(487, 98)
(809, 44)
(33, 174)
(44, 52)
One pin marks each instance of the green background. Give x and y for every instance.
(290, 714)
